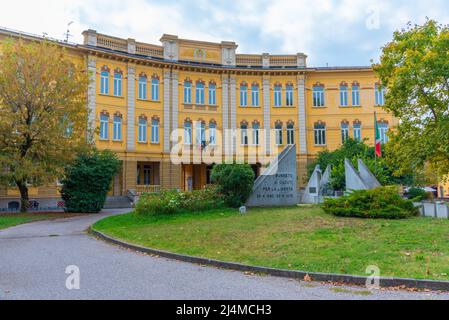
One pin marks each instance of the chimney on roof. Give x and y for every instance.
(90, 37)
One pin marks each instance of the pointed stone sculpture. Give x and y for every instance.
(277, 186)
(312, 192)
(359, 180)
(367, 176)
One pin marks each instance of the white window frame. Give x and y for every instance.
(199, 94)
(319, 136)
(244, 96)
(188, 133)
(104, 127)
(212, 134)
(344, 133)
(318, 97)
(357, 129)
(379, 92)
(155, 90)
(255, 135)
(117, 129)
(143, 129)
(200, 133)
(383, 133)
(279, 139)
(187, 92)
(289, 96)
(356, 96)
(155, 131)
(290, 135)
(118, 82)
(143, 88)
(255, 96)
(104, 83)
(344, 97)
(244, 140)
(278, 96)
(212, 94)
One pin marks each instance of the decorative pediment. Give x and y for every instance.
(105, 69)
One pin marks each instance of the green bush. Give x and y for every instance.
(235, 182)
(418, 194)
(173, 202)
(380, 203)
(88, 180)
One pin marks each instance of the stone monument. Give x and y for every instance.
(359, 180)
(277, 186)
(317, 183)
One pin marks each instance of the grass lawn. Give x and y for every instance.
(296, 238)
(11, 220)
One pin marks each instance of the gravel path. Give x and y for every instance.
(34, 258)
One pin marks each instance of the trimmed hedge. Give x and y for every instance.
(174, 202)
(380, 203)
(88, 180)
(235, 182)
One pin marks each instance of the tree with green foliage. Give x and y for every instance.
(42, 114)
(88, 180)
(235, 182)
(353, 150)
(414, 68)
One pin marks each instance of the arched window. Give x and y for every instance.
(117, 136)
(357, 131)
(199, 93)
(256, 133)
(104, 82)
(344, 132)
(188, 133)
(356, 94)
(277, 95)
(279, 136)
(155, 89)
(212, 133)
(243, 95)
(289, 95)
(320, 134)
(255, 95)
(118, 84)
(142, 87)
(143, 129)
(244, 134)
(200, 134)
(344, 95)
(379, 95)
(383, 132)
(187, 92)
(318, 96)
(104, 127)
(290, 134)
(212, 94)
(155, 131)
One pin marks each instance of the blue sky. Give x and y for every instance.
(331, 32)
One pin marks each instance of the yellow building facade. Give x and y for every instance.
(140, 93)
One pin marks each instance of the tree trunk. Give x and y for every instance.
(24, 197)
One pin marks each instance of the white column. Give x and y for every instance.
(175, 100)
(267, 112)
(225, 108)
(302, 121)
(131, 136)
(167, 81)
(91, 98)
(233, 107)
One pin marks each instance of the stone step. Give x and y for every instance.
(117, 203)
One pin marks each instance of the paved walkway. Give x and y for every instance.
(34, 258)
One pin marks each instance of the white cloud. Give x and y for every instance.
(324, 29)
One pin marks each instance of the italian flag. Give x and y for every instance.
(377, 135)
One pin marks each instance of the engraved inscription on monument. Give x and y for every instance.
(278, 186)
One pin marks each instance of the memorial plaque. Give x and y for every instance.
(279, 186)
